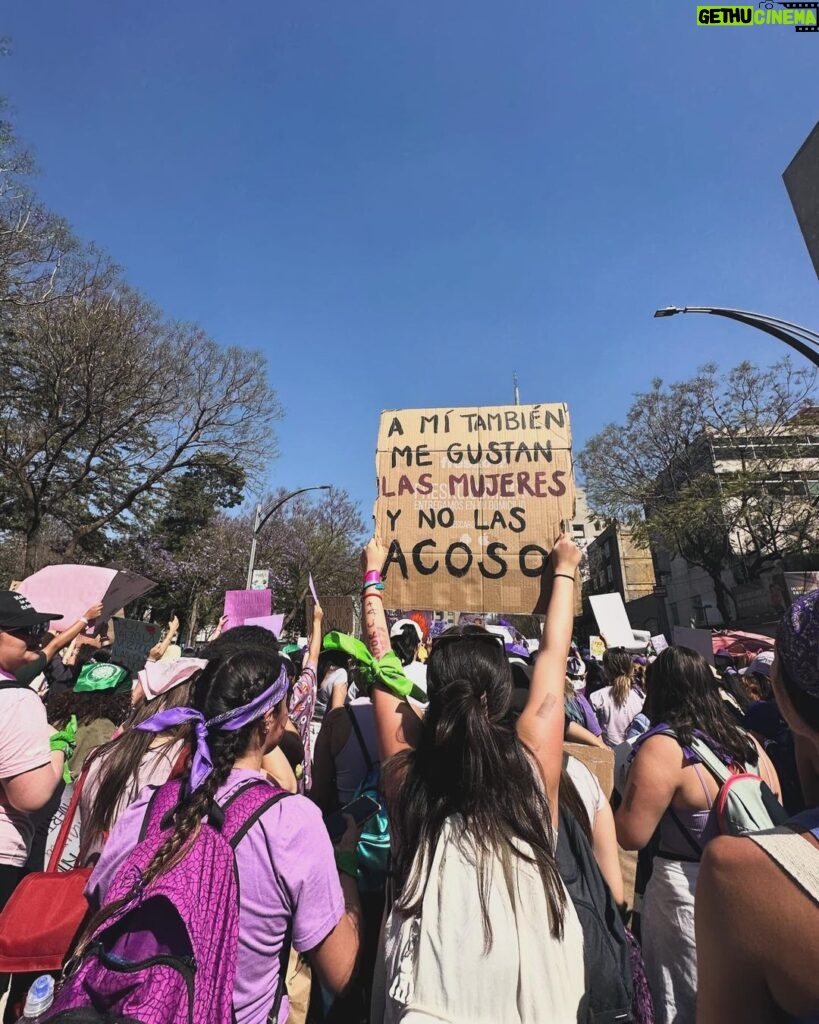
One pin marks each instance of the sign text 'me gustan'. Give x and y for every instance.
(469, 503)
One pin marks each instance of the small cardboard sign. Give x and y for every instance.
(469, 503)
(241, 605)
(659, 643)
(133, 640)
(597, 647)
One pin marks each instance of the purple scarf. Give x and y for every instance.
(230, 721)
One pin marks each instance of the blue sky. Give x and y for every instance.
(402, 203)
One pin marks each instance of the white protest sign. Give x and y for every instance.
(612, 620)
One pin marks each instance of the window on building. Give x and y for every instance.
(579, 531)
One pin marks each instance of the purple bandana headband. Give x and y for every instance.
(230, 721)
(797, 643)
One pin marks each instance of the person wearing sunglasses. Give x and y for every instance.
(482, 928)
(30, 770)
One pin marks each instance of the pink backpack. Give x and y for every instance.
(168, 955)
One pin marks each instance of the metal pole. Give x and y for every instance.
(261, 518)
(252, 562)
(762, 322)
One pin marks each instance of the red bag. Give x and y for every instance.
(45, 911)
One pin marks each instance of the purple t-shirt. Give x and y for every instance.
(287, 873)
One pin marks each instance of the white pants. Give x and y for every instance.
(669, 951)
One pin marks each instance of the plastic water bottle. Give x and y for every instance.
(39, 999)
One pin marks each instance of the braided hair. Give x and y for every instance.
(224, 685)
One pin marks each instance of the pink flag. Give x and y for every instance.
(272, 622)
(241, 605)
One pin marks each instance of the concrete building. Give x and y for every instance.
(787, 464)
(618, 565)
(585, 528)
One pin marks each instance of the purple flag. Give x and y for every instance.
(241, 605)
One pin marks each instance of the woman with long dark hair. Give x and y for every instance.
(135, 759)
(619, 703)
(767, 884)
(482, 929)
(287, 878)
(668, 790)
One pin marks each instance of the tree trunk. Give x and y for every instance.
(193, 620)
(724, 598)
(34, 537)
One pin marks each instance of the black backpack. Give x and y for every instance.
(609, 984)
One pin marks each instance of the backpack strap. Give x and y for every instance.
(360, 737)
(12, 684)
(708, 758)
(242, 810)
(797, 857)
(245, 805)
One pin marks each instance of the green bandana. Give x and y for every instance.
(388, 671)
(66, 741)
(99, 676)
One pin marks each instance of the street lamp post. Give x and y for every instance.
(261, 517)
(799, 338)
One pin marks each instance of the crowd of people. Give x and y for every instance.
(390, 829)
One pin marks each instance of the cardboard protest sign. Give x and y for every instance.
(469, 503)
(699, 640)
(597, 647)
(273, 623)
(341, 614)
(133, 639)
(659, 643)
(246, 604)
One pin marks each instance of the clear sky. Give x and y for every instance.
(402, 203)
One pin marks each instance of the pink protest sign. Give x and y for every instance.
(241, 605)
(272, 622)
(312, 587)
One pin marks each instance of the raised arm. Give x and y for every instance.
(68, 635)
(540, 726)
(314, 648)
(158, 650)
(396, 723)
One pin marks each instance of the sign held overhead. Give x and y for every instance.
(469, 503)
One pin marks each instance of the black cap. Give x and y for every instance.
(16, 612)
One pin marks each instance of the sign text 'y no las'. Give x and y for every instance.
(469, 504)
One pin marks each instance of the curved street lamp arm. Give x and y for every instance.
(801, 341)
(267, 513)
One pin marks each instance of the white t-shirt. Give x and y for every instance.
(24, 746)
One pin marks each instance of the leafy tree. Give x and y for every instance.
(104, 402)
(716, 467)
